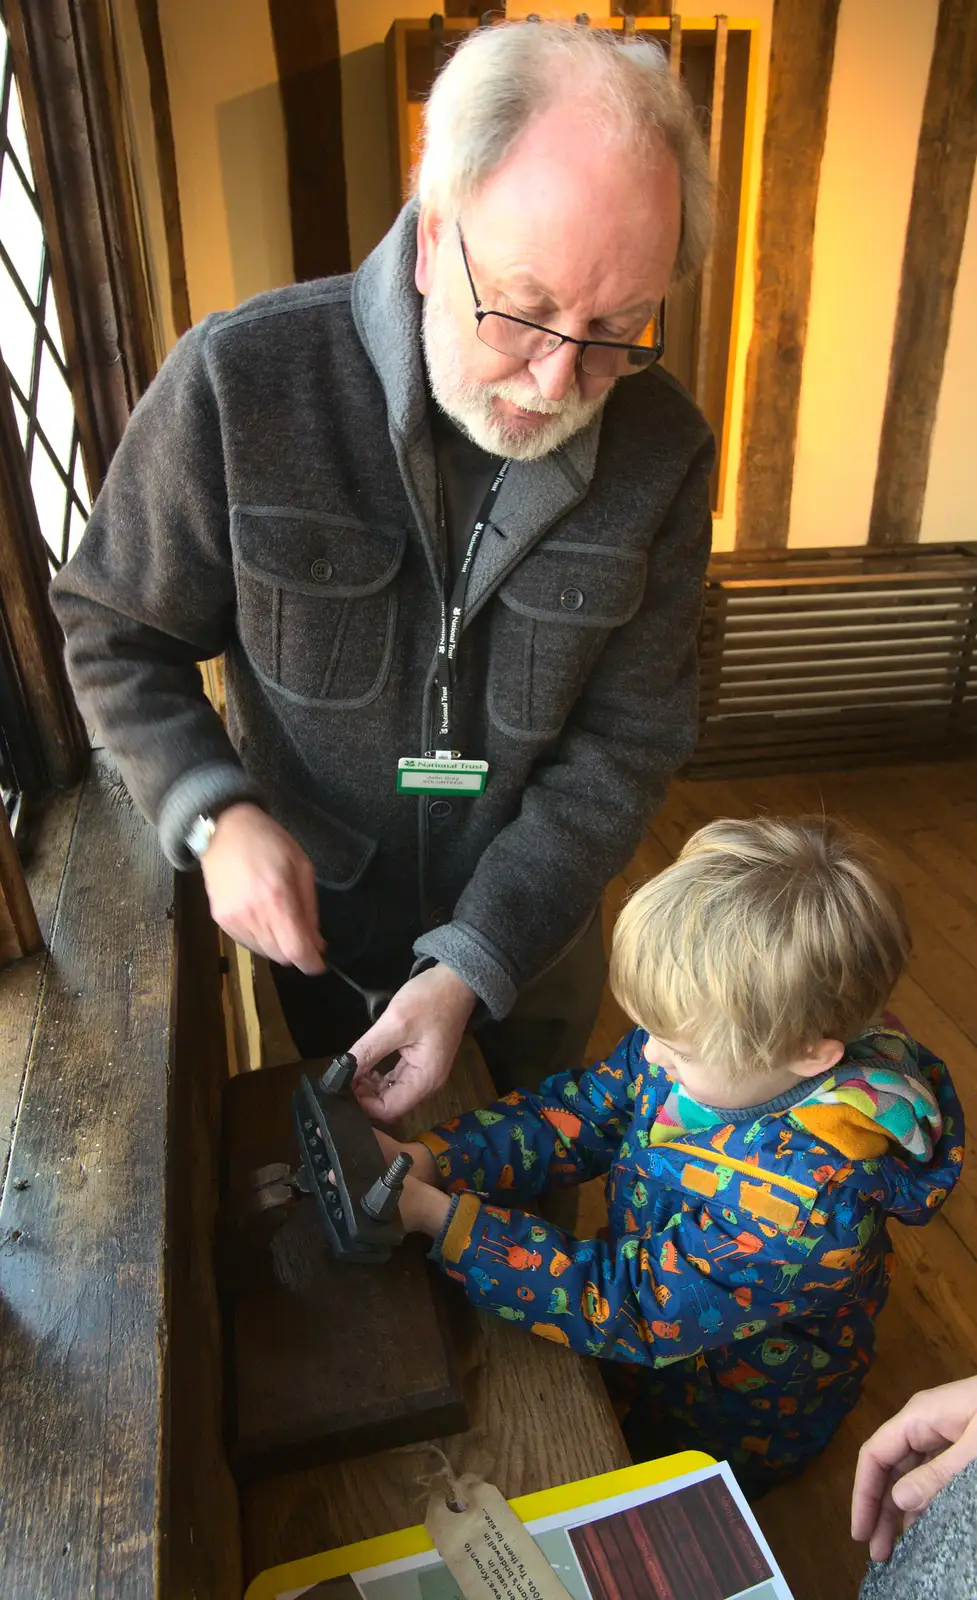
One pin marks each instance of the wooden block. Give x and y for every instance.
(328, 1360)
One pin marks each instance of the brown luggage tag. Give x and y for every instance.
(487, 1550)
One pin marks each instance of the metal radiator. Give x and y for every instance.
(837, 658)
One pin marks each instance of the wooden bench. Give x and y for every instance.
(114, 1478)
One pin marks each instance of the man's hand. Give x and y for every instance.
(911, 1457)
(424, 1021)
(262, 890)
(423, 1207)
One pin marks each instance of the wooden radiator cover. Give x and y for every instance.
(837, 658)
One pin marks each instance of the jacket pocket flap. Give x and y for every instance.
(339, 853)
(314, 553)
(587, 585)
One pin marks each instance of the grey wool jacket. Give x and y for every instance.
(274, 500)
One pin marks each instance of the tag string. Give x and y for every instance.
(445, 1472)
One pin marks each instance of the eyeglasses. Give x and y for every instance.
(530, 341)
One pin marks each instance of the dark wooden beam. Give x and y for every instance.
(938, 215)
(159, 97)
(715, 156)
(306, 36)
(34, 637)
(20, 934)
(801, 59)
(66, 72)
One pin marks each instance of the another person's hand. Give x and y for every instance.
(425, 1021)
(911, 1457)
(262, 890)
(423, 1207)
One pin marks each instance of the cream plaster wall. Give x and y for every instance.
(874, 111)
(724, 525)
(950, 508)
(230, 148)
(142, 145)
(363, 27)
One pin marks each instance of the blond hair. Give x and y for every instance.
(503, 77)
(763, 937)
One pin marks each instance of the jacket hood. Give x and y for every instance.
(888, 1106)
(877, 1098)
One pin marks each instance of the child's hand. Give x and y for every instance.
(425, 1168)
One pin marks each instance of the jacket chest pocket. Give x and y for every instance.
(551, 620)
(317, 602)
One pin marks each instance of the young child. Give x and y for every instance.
(757, 1129)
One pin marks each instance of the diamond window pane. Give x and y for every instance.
(16, 332)
(17, 134)
(50, 495)
(81, 483)
(20, 230)
(51, 323)
(55, 412)
(75, 530)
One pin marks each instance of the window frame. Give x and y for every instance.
(63, 58)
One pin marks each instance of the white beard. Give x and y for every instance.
(469, 404)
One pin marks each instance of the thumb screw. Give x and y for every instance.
(380, 1200)
(339, 1074)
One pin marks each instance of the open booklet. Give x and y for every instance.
(673, 1529)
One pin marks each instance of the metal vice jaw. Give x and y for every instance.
(342, 1168)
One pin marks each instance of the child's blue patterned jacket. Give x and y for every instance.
(748, 1253)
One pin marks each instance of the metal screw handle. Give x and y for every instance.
(339, 1074)
(380, 1201)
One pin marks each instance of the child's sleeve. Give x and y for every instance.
(651, 1298)
(570, 1131)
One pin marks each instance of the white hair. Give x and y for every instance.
(502, 77)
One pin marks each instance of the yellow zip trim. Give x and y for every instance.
(758, 1174)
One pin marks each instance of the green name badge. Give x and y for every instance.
(428, 775)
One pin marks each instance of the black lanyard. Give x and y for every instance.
(452, 612)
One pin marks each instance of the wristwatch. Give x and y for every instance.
(200, 835)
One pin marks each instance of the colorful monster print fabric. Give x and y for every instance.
(747, 1256)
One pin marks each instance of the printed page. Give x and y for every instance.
(691, 1538)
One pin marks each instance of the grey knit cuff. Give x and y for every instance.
(479, 964)
(197, 794)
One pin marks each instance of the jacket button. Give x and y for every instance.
(440, 808)
(321, 570)
(571, 599)
(438, 916)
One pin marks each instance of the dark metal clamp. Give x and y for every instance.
(342, 1168)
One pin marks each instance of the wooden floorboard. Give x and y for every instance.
(926, 819)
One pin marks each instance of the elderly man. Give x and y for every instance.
(447, 523)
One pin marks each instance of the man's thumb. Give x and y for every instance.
(918, 1488)
(374, 1045)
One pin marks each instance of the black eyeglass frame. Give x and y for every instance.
(649, 354)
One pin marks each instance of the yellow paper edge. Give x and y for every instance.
(528, 1508)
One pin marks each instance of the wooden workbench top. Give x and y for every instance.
(540, 1417)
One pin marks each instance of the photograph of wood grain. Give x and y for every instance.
(691, 1545)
